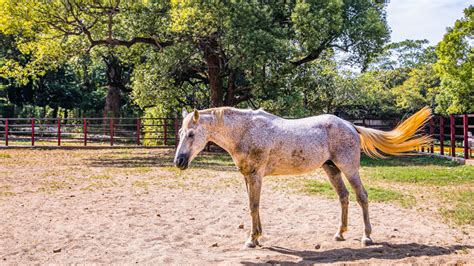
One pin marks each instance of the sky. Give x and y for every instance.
(423, 19)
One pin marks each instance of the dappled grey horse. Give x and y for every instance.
(263, 144)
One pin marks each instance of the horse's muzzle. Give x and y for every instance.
(182, 161)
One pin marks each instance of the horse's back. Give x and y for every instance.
(302, 145)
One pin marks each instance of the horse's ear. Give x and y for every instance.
(184, 113)
(195, 116)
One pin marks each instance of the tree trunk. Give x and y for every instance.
(65, 116)
(210, 48)
(114, 84)
(230, 94)
(55, 112)
(112, 102)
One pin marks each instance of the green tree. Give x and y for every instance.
(455, 67)
(247, 51)
(318, 87)
(228, 52)
(51, 32)
(418, 90)
(404, 54)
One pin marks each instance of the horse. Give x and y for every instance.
(262, 144)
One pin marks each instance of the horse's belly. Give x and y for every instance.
(292, 170)
(297, 161)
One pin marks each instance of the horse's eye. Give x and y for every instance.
(190, 134)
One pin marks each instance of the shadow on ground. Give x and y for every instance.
(383, 250)
(206, 160)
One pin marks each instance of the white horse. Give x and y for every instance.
(263, 144)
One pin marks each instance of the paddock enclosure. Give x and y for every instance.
(127, 205)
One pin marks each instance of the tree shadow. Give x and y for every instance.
(211, 161)
(382, 250)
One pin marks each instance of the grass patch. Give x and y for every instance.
(52, 186)
(415, 160)
(217, 159)
(7, 193)
(376, 194)
(421, 170)
(5, 155)
(99, 185)
(101, 177)
(142, 170)
(320, 188)
(462, 211)
(140, 183)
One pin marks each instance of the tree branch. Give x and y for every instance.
(313, 55)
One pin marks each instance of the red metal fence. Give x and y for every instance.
(88, 131)
(450, 133)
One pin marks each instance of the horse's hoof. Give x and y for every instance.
(251, 244)
(338, 237)
(366, 241)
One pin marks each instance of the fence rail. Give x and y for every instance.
(88, 131)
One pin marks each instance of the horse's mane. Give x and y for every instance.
(219, 112)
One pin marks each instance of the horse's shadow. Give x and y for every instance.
(382, 250)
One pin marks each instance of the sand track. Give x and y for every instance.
(129, 224)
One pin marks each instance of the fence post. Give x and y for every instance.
(165, 134)
(441, 135)
(138, 131)
(84, 130)
(453, 135)
(466, 143)
(424, 132)
(32, 132)
(59, 132)
(111, 125)
(6, 132)
(431, 134)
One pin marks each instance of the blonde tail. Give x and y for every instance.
(402, 139)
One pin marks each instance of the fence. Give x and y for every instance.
(451, 133)
(88, 131)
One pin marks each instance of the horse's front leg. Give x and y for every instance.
(254, 186)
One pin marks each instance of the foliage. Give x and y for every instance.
(455, 66)
(290, 57)
(404, 54)
(418, 90)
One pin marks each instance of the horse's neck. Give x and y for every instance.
(228, 133)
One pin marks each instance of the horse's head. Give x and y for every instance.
(193, 138)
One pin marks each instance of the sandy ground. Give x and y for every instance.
(144, 211)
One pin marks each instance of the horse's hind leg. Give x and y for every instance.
(362, 199)
(335, 178)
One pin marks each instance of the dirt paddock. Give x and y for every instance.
(132, 206)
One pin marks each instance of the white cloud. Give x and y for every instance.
(423, 19)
